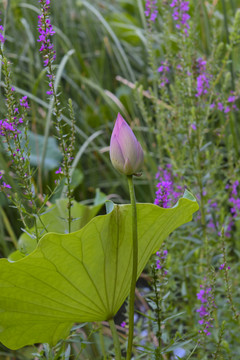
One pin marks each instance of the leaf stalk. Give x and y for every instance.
(115, 339)
(134, 266)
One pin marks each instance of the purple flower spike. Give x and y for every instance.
(180, 15)
(205, 311)
(151, 11)
(126, 153)
(2, 39)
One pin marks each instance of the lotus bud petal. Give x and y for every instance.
(126, 153)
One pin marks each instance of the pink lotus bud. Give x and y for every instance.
(125, 151)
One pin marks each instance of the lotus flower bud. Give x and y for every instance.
(126, 153)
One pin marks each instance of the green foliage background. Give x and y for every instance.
(103, 49)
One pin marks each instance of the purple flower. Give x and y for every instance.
(167, 192)
(180, 15)
(2, 39)
(234, 199)
(206, 297)
(231, 99)
(9, 129)
(59, 171)
(126, 153)
(161, 260)
(46, 31)
(203, 79)
(6, 186)
(163, 70)
(151, 9)
(202, 85)
(23, 102)
(123, 324)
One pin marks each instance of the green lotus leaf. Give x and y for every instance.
(54, 219)
(82, 276)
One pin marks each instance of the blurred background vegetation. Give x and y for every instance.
(107, 56)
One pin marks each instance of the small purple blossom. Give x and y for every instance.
(222, 266)
(227, 109)
(151, 9)
(231, 99)
(59, 171)
(167, 192)
(234, 199)
(180, 15)
(123, 324)
(203, 79)
(6, 186)
(163, 70)
(202, 85)
(2, 39)
(226, 106)
(161, 260)
(46, 31)
(206, 297)
(23, 102)
(9, 129)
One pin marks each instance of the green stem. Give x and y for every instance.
(102, 344)
(134, 264)
(115, 340)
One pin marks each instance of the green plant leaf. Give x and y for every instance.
(54, 219)
(82, 276)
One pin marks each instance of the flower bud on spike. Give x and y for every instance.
(126, 153)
